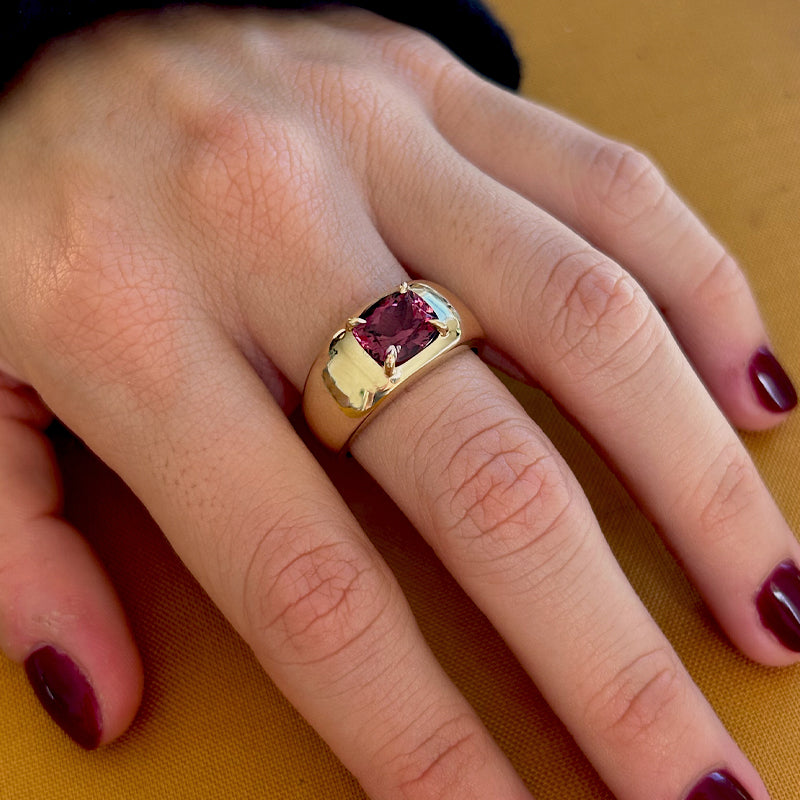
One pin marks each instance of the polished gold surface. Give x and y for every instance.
(440, 326)
(389, 366)
(345, 384)
(352, 322)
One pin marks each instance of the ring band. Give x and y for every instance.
(394, 341)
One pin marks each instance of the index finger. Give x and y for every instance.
(257, 522)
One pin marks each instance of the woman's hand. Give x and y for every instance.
(193, 203)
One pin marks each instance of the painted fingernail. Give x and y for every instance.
(66, 695)
(772, 385)
(719, 785)
(778, 604)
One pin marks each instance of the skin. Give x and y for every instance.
(177, 190)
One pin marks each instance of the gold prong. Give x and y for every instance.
(440, 326)
(391, 360)
(352, 322)
(403, 287)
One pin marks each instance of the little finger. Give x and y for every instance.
(617, 199)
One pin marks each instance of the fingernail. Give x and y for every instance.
(66, 695)
(719, 785)
(778, 604)
(772, 385)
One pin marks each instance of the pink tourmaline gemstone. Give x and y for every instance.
(401, 319)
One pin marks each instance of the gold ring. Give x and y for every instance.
(392, 342)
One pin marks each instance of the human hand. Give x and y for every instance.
(205, 266)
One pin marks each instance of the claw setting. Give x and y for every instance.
(396, 328)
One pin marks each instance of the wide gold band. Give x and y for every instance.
(346, 384)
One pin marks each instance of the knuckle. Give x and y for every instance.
(318, 604)
(440, 763)
(508, 495)
(414, 55)
(416, 70)
(103, 306)
(641, 701)
(77, 267)
(249, 175)
(727, 490)
(621, 183)
(366, 102)
(601, 315)
(723, 282)
(363, 111)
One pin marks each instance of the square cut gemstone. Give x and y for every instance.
(401, 319)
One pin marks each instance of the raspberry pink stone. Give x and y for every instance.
(401, 319)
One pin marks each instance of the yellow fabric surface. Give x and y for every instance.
(711, 90)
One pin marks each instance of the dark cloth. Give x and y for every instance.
(465, 26)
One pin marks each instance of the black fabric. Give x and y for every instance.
(465, 26)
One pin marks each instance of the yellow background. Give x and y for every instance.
(711, 89)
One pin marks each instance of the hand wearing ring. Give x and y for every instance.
(224, 194)
(392, 343)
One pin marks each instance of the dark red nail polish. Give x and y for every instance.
(772, 385)
(66, 695)
(778, 604)
(719, 785)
